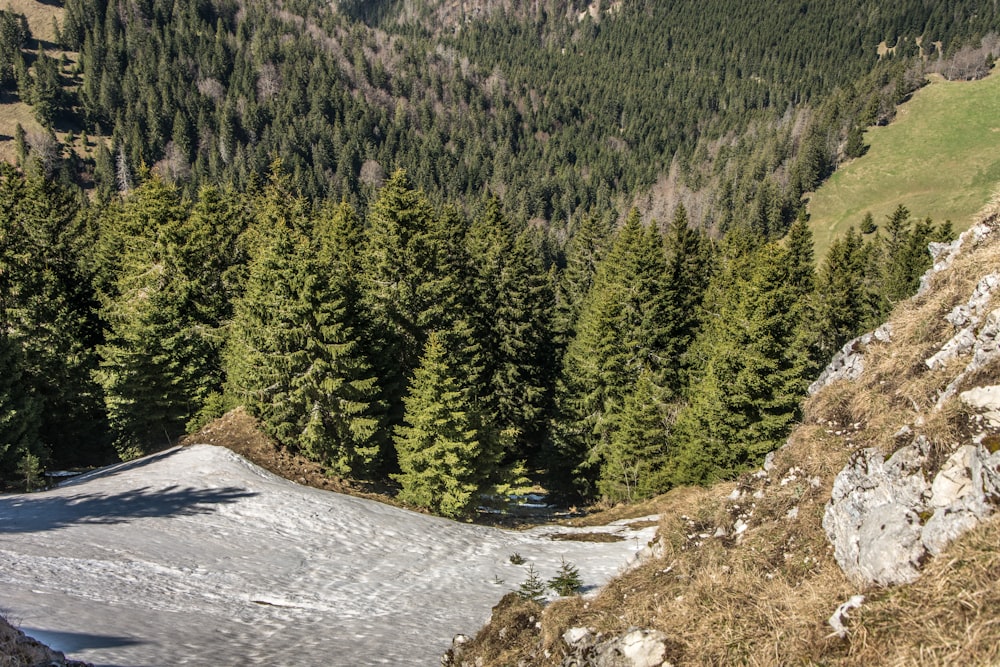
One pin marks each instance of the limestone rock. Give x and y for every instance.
(848, 363)
(840, 616)
(635, 648)
(874, 515)
(964, 492)
(985, 400)
(984, 348)
(966, 317)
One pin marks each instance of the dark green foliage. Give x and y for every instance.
(848, 301)
(157, 359)
(747, 397)
(48, 316)
(566, 582)
(635, 461)
(621, 332)
(14, 35)
(532, 588)
(20, 411)
(293, 357)
(443, 459)
(904, 254)
(514, 304)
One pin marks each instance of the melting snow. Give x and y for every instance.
(196, 556)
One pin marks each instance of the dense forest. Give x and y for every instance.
(410, 248)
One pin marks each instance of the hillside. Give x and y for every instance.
(938, 158)
(744, 572)
(195, 555)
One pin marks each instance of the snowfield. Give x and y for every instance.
(195, 556)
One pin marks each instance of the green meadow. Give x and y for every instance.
(940, 158)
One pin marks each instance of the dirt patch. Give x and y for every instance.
(585, 537)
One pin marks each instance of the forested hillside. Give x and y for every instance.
(410, 253)
(556, 114)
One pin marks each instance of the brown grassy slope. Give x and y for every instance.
(41, 17)
(764, 597)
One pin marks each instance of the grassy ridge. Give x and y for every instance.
(939, 158)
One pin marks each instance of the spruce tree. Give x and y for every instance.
(441, 455)
(634, 463)
(754, 376)
(623, 330)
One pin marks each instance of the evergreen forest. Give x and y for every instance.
(419, 243)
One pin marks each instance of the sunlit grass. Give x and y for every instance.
(940, 158)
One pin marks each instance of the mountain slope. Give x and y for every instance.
(744, 574)
(938, 158)
(196, 555)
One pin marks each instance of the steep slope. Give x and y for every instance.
(196, 556)
(744, 573)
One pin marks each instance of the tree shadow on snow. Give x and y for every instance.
(71, 642)
(40, 512)
(116, 468)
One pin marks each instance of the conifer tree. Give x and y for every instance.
(688, 270)
(846, 293)
(441, 455)
(150, 361)
(293, 357)
(512, 317)
(622, 331)
(403, 283)
(747, 397)
(634, 464)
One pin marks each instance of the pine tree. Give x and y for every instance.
(688, 270)
(567, 580)
(847, 302)
(163, 275)
(634, 464)
(623, 330)
(402, 283)
(513, 321)
(532, 588)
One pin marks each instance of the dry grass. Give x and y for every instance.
(763, 597)
(40, 17)
(951, 616)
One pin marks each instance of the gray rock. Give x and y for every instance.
(964, 493)
(848, 363)
(635, 648)
(985, 347)
(870, 519)
(837, 621)
(966, 317)
(985, 400)
(874, 515)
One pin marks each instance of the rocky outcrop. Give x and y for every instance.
(885, 517)
(849, 362)
(635, 648)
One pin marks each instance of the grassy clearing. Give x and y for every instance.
(40, 16)
(939, 158)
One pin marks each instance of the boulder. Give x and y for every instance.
(986, 401)
(848, 363)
